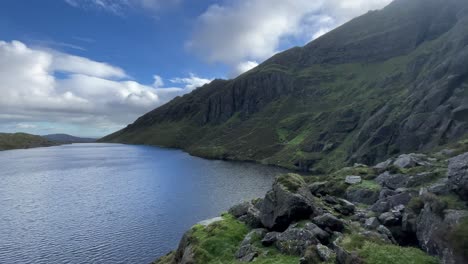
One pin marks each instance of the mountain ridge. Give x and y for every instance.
(391, 81)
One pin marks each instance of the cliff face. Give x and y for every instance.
(391, 81)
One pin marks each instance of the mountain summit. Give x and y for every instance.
(388, 82)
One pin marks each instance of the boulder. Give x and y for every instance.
(386, 233)
(247, 251)
(318, 232)
(329, 221)
(362, 195)
(345, 257)
(345, 207)
(389, 219)
(270, 238)
(458, 175)
(441, 187)
(405, 161)
(353, 179)
(385, 192)
(184, 253)
(325, 253)
(281, 206)
(372, 223)
(295, 241)
(392, 181)
(318, 188)
(248, 213)
(382, 166)
(432, 230)
(384, 205)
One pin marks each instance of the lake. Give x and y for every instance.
(111, 203)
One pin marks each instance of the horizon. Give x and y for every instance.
(89, 68)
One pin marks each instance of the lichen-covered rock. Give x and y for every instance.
(247, 252)
(329, 221)
(458, 175)
(392, 181)
(384, 205)
(281, 206)
(372, 223)
(325, 253)
(318, 232)
(362, 195)
(432, 230)
(411, 160)
(353, 179)
(295, 241)
(247, 213)
(270, 238)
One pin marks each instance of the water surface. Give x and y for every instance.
(110, 203)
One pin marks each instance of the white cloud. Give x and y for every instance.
(92, 94)
(191, 82)
(245, 67)
(120, 7)
(251, 30)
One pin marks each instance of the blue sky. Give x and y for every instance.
(89, 67)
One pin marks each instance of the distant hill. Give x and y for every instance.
(65, 139)
(23, 141)
(391, 81)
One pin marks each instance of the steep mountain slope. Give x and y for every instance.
(388, 82)
(23, 141)
(65, 139)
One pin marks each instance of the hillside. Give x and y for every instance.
(67, 139)
(23, 141)
(391, 81)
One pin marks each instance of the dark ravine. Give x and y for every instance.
(389, 82)
(419, 215)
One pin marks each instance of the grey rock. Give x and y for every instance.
(383, 165)
(362, 195)
(248, 213)
(329, 221)
(345, 207)
(280, 207)
(384, 205)
(431, 231)
(294, 241)
(458, 175)
(318, 188)
(318, 232)
(270, 238)
(345, 257)
(405, 161)
(247, 251)
(353, 179)
(324, 252)
(372, 223)
(392, 181)
(386, 232)
(389, 219)
(385, 192)
(420, 179)
(441, 187)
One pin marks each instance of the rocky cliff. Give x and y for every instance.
(407, 209)
(391, 81)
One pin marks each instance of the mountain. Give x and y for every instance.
(66, 139)
(23, 141)
(391, 81)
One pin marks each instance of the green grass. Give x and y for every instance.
(291, 181)
(373, 253)
(367, 184)
(218, 243)
(459, 238)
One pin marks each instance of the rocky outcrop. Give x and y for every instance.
(281, 207)
(458, 175)
(412, 103)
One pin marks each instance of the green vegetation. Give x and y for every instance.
(372, 250)
(218, 243)
(291, 181)
(373, 253)
(23, 141)
(459, 238)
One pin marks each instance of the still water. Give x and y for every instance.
(111, 203)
